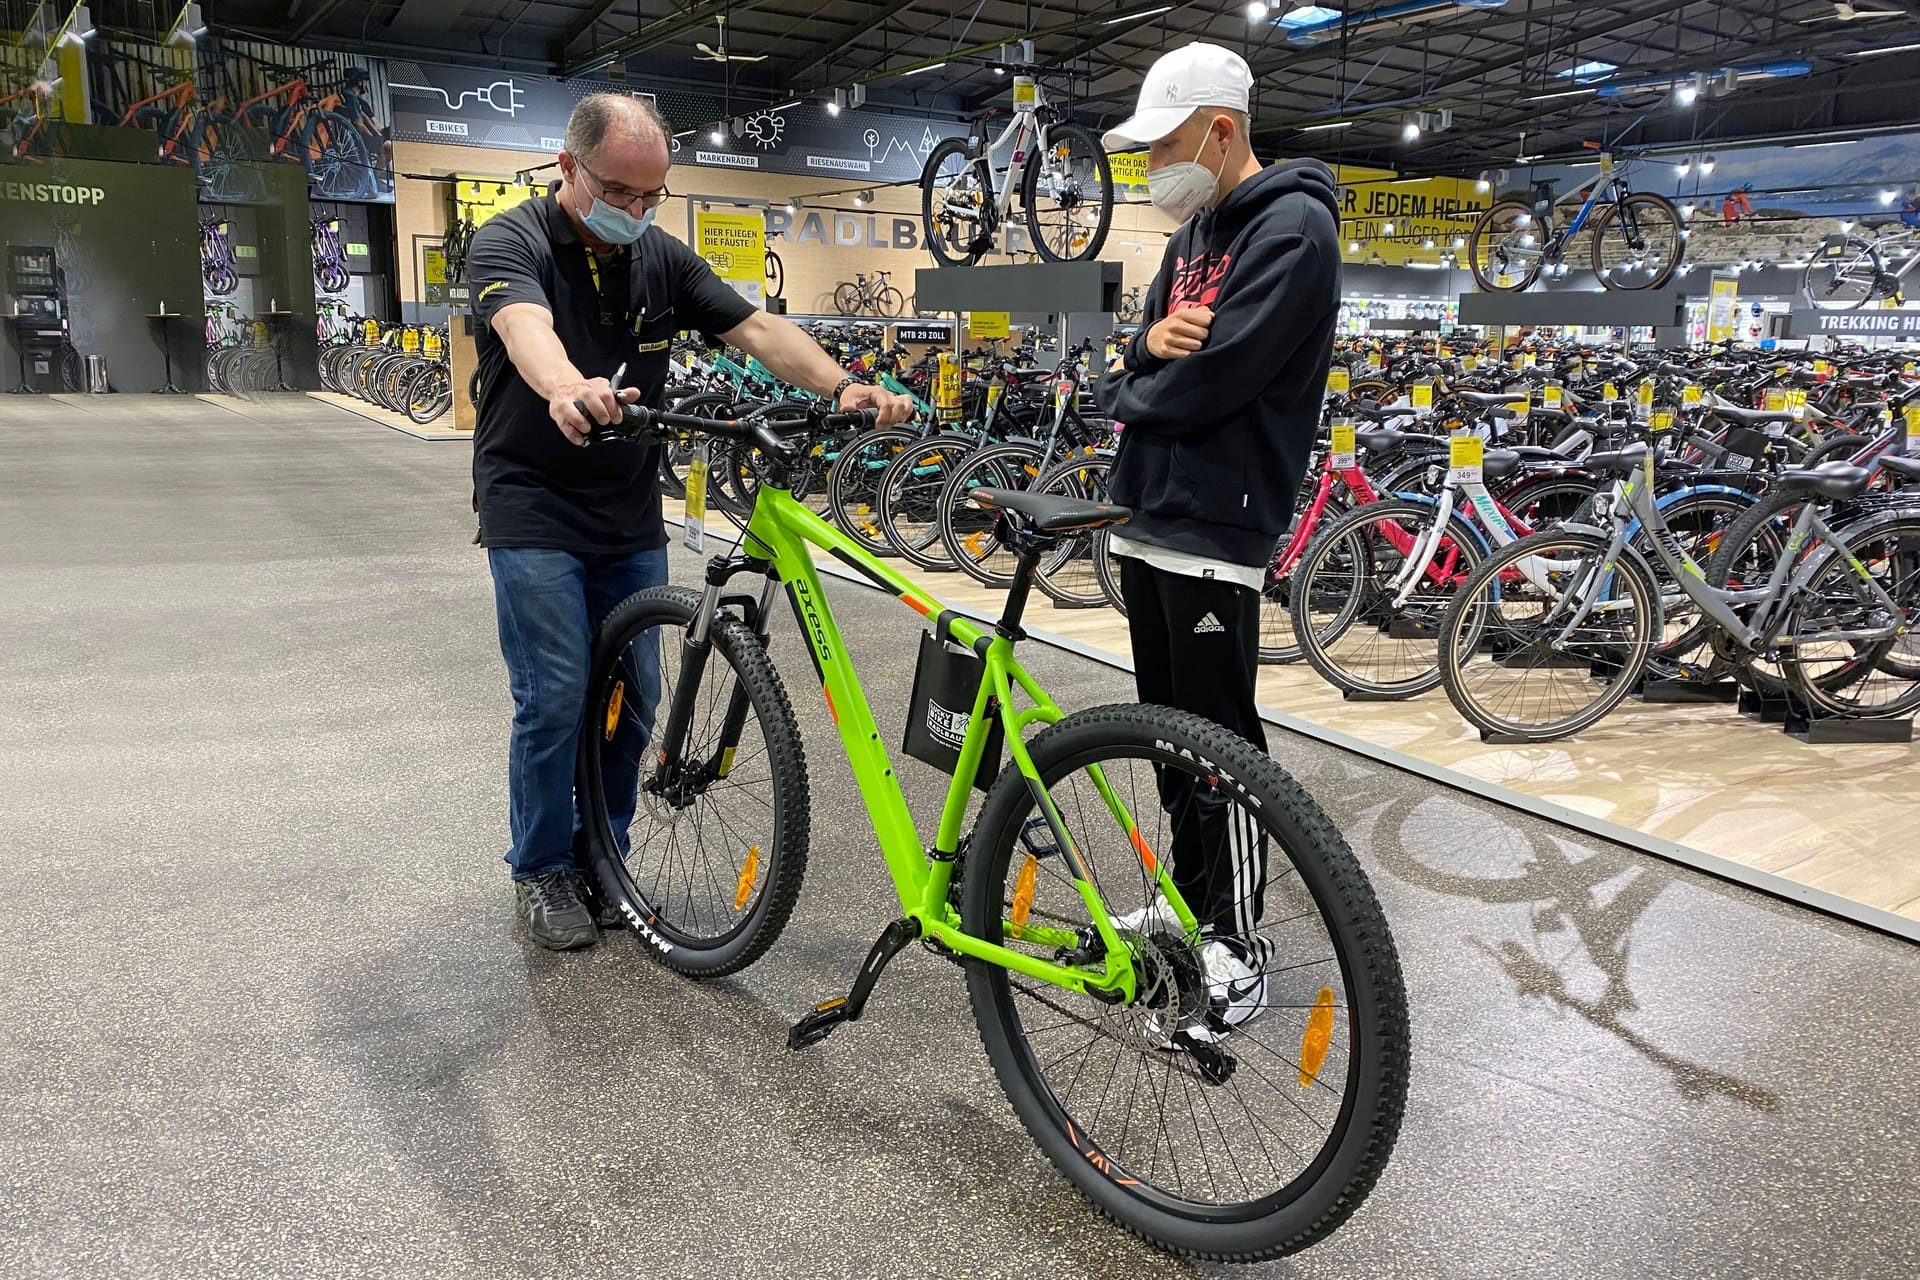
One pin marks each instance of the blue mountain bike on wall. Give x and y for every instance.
(1637, 239)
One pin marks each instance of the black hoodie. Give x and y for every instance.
(1215, 443)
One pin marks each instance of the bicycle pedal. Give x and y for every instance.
(1045, 846)
(818, 1025)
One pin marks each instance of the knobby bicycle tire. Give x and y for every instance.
(1302, 842)
(770, 877)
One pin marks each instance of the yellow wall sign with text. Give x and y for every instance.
(1418, 210)
(480, 198)
(988, 325)
(735, 246)
(1129, 169)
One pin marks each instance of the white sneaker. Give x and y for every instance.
(1158, 917)
(1237, 992)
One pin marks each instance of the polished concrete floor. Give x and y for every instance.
(266, 1012)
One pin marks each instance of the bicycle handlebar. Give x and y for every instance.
(760, 428)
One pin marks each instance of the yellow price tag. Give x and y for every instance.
(1342, 445)
(1374, 360)
(1470, 363)
(1465, 457)
(1690, 395)
(1446, 353)
(1645, 393)
(1909, 369)
(1606, 162)
(1338, 379)
(372, 331)
(1797, 403)
(1551, 397)
(1776, 400)
(1663, 420)
(1025, 94)
(694, 526)
(1822, 367)
(1528, 360)
(1423, 395)
(1610, 392)
(1912, 413)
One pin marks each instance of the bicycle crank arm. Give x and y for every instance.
(819, 1024)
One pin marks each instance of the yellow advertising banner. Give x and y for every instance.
(735, 246)
(1129, 169)
(1721, 309)
(1395, 217)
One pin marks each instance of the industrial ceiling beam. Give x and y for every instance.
(883, 13)
(588, 21)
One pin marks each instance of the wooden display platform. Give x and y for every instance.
(1828, 825)
(441, 428)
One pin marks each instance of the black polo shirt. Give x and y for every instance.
(534, 487)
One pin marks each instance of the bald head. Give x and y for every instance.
(603, 120)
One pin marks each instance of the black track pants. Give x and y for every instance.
(1196, 646)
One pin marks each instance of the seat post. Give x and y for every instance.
(1016, 607)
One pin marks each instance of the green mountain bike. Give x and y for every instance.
(1235, 1138)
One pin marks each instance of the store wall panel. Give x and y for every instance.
(127, 238)
(826, 241)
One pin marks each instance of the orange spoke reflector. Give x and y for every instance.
(613, 707)
(747, 875)
(1313, 1045)
(1023, 894)
(972, 543)
(1147, 859)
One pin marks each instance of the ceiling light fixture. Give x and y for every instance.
(1130, 17)
(914, 71)
(1685, 166)
(1410, 130)
(1387, 229)
(1889, 195)
(1257, 11)
(717, 137)
(1874, 53)
(1706, 164)
(1684, 93)
(1316, 128)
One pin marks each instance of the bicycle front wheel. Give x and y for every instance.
(1068, 193)
(703, 854)
(846, 298)
(1513, 660)
(1637, 243)
(1867, 678)
(1234, 1110)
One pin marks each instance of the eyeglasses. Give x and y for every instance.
(623, 199)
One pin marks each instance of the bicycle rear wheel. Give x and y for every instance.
(956, 206)
(1637, 242)
(1067, 574)
(853, 485)
(1068, 194)
(967, 531)
(910, 498)
(1862, 678)
(1198, 1128)
(704, 856)
(1843, 275)
(1504, 249)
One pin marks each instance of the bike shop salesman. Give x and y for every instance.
(568, 288)
(1220, 397)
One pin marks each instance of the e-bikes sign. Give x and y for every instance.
(51, 193)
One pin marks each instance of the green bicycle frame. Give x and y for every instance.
(780, 531)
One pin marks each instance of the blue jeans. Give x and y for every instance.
(548, 604)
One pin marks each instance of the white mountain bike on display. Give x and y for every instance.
(1065, 185)
(1849, 271)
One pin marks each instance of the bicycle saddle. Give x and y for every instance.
(1497, 464)
(1829, 479)
(1489, 399)
(1901, 465)
(1045, 513)
(1617, 461)
(1752, 417)
(1373, 412)
(1380, 439)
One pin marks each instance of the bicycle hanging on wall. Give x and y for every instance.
(1065, 185)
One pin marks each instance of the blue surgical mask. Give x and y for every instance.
(616, 226)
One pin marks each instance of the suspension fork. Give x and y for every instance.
(734, 723)
(695, 648)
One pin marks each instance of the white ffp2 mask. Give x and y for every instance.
(1179, 190)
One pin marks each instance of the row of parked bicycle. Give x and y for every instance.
(1540, 533)
(400, 367)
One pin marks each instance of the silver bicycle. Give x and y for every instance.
(1065, 185)
(1849, 271)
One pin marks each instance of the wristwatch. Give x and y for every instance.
(841, 389)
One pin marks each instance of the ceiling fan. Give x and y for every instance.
(710, 54)
(1846, 12)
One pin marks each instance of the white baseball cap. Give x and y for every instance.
(1195, 75)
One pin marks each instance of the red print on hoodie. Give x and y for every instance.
(1196, 283)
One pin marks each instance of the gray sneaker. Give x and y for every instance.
(605, 913)
(554, 913)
